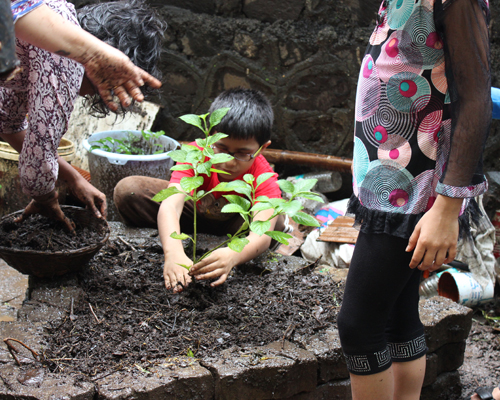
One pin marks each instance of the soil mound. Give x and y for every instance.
(127, 318)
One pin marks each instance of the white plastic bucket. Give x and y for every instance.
(169, 144)
(462, 288)
(107, 169)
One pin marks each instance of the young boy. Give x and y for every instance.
(248, 126)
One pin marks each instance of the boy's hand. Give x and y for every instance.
(176, 277)
(436, 234)
(217, 265)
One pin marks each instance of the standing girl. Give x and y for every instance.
(423, 110)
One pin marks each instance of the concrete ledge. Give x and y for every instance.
(175, 380)
(278, 370)
(445, 321)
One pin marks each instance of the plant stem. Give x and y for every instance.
(195, 199)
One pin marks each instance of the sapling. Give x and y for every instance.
(201, 161)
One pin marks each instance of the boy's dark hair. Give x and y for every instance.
(250, 117)
(132, 27)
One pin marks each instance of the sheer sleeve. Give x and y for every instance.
(464, 27)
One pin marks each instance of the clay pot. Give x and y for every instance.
(47, 264)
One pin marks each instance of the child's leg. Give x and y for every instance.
(132, 197)
(378, 279)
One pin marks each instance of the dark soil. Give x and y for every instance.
(128, 317)
(40, 233)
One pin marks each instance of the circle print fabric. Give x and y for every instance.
(408, 92)
(395, 148)
(368, 91)
(399, 11)
(386, 187)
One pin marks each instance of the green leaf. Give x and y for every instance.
(221, 158)
(178, 155)
(262, 199)
(208, 152)
(261, 206)
(235, 199)
(304, 185)
(215, 138)
(181, 167)
(305, 219)
(221, 187)
(260, 227)
(202, 143)
(279, 236)
(204, 168)
(180, 236)
(285, 185)
(310, 196)
(188, 184)
(237, 244)
(189, 352)
(233, 208)
(218, 171)
(165, 194)
(240, 187)
(249, 178)
(217, 115)
(264, 177)
(192, 119)
(292, 207)
(194, 157)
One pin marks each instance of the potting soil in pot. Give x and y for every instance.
(40, 233)
(128, 318)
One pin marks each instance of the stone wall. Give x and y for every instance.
(304, 54)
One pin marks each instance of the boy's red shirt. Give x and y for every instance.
(260, 166)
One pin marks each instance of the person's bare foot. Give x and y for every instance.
(496, 395)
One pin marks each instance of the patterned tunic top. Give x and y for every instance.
(423, 110)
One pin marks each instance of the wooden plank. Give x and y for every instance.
(340, 231)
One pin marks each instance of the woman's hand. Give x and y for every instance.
(48, 206)
(93, 199)
(435, 237)
(109, 70)
(112, 73)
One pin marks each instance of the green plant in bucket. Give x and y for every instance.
(247, 205)
(146, 144)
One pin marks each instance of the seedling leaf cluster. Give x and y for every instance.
(146, 144)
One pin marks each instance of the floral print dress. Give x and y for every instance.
(423, 110)
(40, 100)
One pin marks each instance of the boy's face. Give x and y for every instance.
(239, 148)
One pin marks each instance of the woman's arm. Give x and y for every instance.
(109, 69)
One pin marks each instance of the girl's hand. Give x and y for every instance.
(217, 265)
(435, 237)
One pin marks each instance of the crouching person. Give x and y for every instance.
(248, 126)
